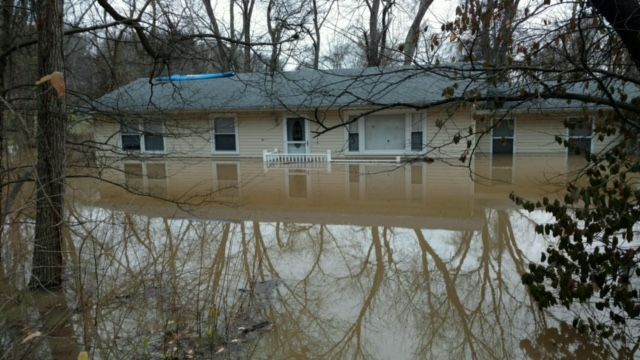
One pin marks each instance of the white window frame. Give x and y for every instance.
(139, 125)
(407, 133)
(580, 118)
(515, 131)
(212, 126)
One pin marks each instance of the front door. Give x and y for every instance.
(296, 135)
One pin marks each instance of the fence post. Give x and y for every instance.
(328, 155)
(264, 155)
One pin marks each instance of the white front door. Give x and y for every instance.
(296, 133)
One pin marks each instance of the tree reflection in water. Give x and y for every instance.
(147, 284)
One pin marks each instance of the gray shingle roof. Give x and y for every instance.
(302, 89)
(308, 89)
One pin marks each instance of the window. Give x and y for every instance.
(148, 138)
(416, 132)
(502, 136)
(580, 135)
(225, 134)
(354, 136)
(153, 135)
(130, 136)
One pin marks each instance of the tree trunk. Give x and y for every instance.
(316, 40)
(413, 34)
(47, 253)
(5, 43)
(374, 35)
(247, 13)
(624, 17)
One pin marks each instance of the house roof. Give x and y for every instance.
(307, 89)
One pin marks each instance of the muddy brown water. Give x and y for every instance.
(196, 258)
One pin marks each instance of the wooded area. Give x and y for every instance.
(541, 49)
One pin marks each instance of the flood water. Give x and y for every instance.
(381, 261)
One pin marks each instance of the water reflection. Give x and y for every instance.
(360, 260)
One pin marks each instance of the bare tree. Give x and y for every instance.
(410, 45)
(376, 36)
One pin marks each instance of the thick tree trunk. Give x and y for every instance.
(413, 34)
(5, 43)
(47, 252)
(373, 41)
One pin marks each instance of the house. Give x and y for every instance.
(355, 113)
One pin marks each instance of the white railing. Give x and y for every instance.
(276, 158)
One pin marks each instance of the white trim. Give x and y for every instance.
(307, 133)
(212, 129)
(140, 132)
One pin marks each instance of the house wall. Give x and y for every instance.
(189, 134)
(535, 133)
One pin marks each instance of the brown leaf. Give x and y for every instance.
(57, 82)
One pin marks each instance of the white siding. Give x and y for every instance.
(334, 140)
(189, 134)
(443, 126)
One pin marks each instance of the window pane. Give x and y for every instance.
(153, 143)
(353, 126)
(416, 122)
(503, 128)
(384, 132)
(131, 142)
(224, 125)
(579, 128)
(416, 141)
(225, 142)
(153, 126)
(354, 142)
(295, 129)
(503, 146)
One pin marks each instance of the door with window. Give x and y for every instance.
(296, 135)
